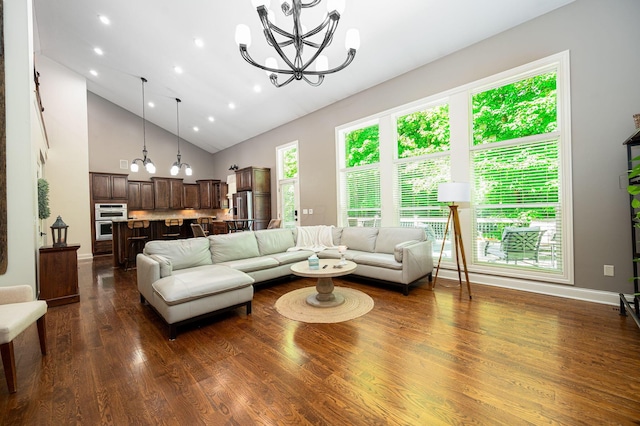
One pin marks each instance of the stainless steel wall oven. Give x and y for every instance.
(104, 214)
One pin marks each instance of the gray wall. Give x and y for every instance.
(602, 36)
(108, 144)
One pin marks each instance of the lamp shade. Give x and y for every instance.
(243, 35)
(352, 40)
(452, 192)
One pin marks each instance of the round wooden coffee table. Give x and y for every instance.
(329, 268)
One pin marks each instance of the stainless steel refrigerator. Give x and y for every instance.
(244, 205)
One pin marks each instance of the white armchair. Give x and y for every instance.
(18, 311)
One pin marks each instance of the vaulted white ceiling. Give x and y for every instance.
(149, 38)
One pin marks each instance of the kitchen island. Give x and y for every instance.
(157, 228)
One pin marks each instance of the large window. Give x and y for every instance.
(360, 176)
(288, 190)
(516, 173)
(507, 135)
(423, 161)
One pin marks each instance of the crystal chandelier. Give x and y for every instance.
(297, 66)
(145, 161)
(175, 168)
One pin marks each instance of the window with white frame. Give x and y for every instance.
(288, 190)
(359, 166)
(508, 135)
(422, 161)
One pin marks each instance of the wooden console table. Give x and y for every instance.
(59, 275)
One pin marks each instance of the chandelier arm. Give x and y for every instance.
(262, 13)
(313, 3)
(274, 79)
(311, 83)
(297, 39)
(328, 37)
(350, 56)
(334, 16)
(288, 10)
(268, 26)
(282, 32)
(281, 53)
(245, 55)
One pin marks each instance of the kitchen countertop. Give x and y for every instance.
(163, 218)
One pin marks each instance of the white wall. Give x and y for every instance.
(64, 98)
(21, 158)
(602, 37)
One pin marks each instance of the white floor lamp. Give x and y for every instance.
(454, 192)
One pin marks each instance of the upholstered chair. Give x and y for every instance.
(18, 310)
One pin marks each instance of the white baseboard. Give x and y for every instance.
(560, 290)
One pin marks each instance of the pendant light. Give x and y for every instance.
(175, 168)
(145, 161)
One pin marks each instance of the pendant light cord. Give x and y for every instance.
(144, 132)
(178, 123)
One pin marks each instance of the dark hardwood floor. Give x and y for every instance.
(506, 357)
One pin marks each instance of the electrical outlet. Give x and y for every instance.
(310, 211)
(305, 211)
(608, 271)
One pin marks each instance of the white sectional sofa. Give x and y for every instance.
(185, 280)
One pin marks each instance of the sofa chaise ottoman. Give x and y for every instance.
(192, 288)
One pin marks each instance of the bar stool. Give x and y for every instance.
(206, 224)
(197, 230)
(232, 226)
(172, 229)
(136, 240)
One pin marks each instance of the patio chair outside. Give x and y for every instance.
(518, 244)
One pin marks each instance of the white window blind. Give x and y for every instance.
(517, 186)
(362, 200)
(416, 194)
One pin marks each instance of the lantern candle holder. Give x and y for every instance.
(59, 233)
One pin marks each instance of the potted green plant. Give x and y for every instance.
(43, 199)
(634, 189)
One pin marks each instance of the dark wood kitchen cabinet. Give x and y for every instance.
(222, 193)
(58, 275)
(256, 179)
(168, 193)
(207, 192)
(191, 196)
(141, 196)
(109, 187)
(213, 194)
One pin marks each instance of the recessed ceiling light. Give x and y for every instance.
(104, 19)
(151, 105)
(232, 105)
(196, 129)
(257, 88)
(211, 119)
(98, 51)
(93, 73)
(198, 41)
(178, 70)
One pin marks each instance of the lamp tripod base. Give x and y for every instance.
(458, 247)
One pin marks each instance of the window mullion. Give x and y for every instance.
(387, 154)
(459, 119)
